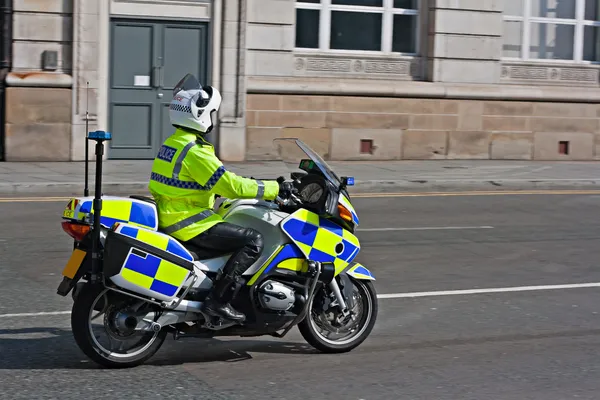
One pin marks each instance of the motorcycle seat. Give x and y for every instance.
(143, 198)
(197, 252)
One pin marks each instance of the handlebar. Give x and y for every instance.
(292, 200)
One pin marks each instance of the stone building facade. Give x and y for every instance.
(356, 79)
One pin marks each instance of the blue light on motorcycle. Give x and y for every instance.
(100, 135)
(350, 181)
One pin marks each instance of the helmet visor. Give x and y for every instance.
(187, 83)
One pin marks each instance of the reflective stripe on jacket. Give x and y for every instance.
(186, 176)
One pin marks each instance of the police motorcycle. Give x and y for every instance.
(133, 284)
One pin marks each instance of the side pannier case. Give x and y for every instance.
(146, 262)
(114, 209)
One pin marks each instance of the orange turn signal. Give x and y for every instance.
(345, 213)
(76, 231)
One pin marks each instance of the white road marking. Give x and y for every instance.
(39, 314)
(424, 228)
(489, 290)
(399, 295)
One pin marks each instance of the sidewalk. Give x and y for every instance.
(128, 177)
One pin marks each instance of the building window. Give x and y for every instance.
(562, 30)
(388, 26)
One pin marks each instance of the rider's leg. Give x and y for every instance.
(246, 245)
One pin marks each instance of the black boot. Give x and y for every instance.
(223, 310)
(217, 303)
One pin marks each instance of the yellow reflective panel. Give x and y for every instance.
(137, 278)
(294, 264)
(171, 273)
(153, 239)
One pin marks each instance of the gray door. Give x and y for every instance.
(147, 59)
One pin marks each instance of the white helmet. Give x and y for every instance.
(193, 105)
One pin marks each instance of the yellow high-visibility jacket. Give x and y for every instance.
(186, 176)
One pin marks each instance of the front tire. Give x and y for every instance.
(309, 327)
(96, 298)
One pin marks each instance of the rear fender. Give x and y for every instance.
(67, 284)
(360, 272)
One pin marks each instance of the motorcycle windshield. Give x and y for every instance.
(292, 151)
(188, 82)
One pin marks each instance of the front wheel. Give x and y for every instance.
(97, 313)
(326, 329)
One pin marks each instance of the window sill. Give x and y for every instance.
(355, 53)
(39, 79)
(550, 73)
(435, 90)
(357, 64)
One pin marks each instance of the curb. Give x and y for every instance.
(372, 186)
(399, 186)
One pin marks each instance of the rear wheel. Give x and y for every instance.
(99, 313)
(326, 329)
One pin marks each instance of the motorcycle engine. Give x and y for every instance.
(276, 296)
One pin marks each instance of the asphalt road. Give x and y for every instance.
(540, 344)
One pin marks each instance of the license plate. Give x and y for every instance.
(69, 214)
(74, 263)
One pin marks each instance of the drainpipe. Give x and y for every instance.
(6, 30)
(6, 9)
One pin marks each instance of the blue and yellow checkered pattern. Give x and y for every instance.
(151, 272)
(122, 210)
(359, 271)
(156, 239)
(320, 239)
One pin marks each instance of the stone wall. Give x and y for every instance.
(39, 26)
(232, 78)
(414, 129)
(38, 99)
(38, 124)
(465, 40)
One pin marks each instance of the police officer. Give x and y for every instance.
(187, 174)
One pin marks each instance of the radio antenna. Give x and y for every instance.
(86, 190)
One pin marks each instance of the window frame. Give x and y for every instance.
(325, 7)
(579, 22)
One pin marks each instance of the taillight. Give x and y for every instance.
(76, 231)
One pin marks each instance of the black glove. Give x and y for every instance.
(286, 189)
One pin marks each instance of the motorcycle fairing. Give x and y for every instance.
(288, 252)
(114, 209)
(320, 239)
(343, 200)
(283, 257)
(359, 271)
